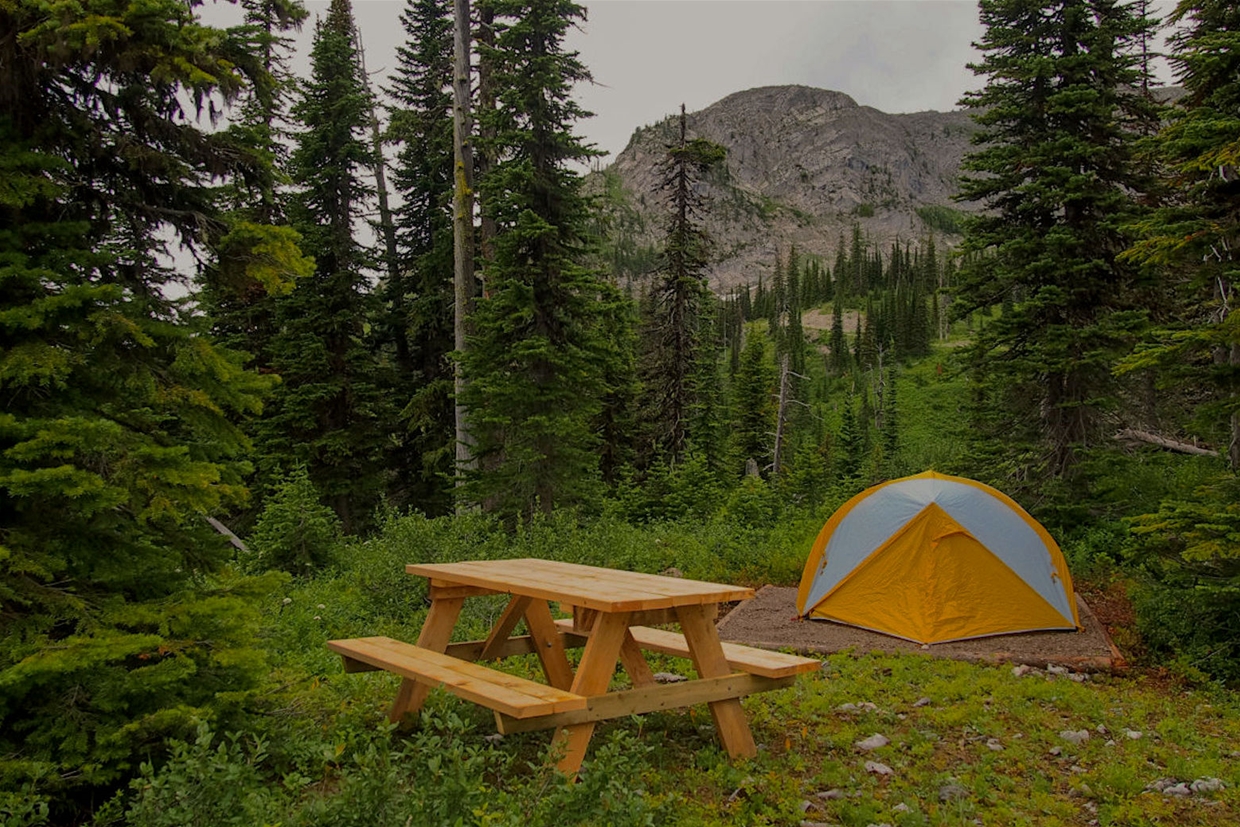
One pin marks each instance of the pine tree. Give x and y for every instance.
(1058, 119)
(1192, 238)
(115, 437)
(329, 410)
(673, 330)
(417, 320)
(839, 356)
(537, 362)
(753, 403)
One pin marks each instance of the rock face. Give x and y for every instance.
(803, 165)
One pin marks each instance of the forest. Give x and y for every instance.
(264, 339)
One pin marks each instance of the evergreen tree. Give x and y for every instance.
(538, 360)
(329, 410)
(116, 439)
(673, 330)
(417, 322)
(753, 403)
(839, 345)
(1192, 238)
(1058, 118)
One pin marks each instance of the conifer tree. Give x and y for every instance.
(329, 410)
(537, 362)
(1192, 238)
(417, 319)
(1058, 115)
(839, 345)
(673, 330)
(753, 403)
(116, 439)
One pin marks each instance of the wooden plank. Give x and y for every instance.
(471, 650)
(762, 662)
(642, 700)
(436, 632)
(508, 694)
(635, 662)
(589, 586)
(709, 660)
(598, 664)
(441, 590)
(503, 627)
(550, 646)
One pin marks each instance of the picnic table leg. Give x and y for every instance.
(550, 645)
(436, 632)
(598, 663)
(635, 662)
(709, 660)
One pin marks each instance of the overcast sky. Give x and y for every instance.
(649, 56)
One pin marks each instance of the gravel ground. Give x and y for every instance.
(770, 621)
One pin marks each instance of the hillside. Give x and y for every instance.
(803, 165)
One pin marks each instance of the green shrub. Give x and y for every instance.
(295, 532)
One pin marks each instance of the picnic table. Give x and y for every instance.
(614, 615)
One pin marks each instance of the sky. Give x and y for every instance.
(650, 56)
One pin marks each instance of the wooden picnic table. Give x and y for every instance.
(613, 613)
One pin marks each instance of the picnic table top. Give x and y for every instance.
(591, 587)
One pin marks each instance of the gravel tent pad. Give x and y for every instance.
(770, 621)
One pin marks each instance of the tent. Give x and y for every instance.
(933, 558)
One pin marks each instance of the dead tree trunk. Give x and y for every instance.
(462, 225)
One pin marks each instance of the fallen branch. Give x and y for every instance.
(1165, 442)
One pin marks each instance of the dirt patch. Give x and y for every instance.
(817, 320)
(770, 621)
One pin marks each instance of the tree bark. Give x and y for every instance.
(462, 225)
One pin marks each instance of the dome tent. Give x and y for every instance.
(933, 558)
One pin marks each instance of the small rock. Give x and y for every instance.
(1160, 784)
(1021, 671)
(1086, 789)
(669, 677)
(493, 738)
(1207, 785)
(1055, 750)
(1079, 677)
(1110, 743)
(831, 795)
(873, 742)
(1181, 790)
(994, 745)
(1057, 670)
(846, 708)
(877, 768)
(672, 572)
(742, 790)
(866, 706)
(816, 824)
(1075, 736)
(1133, 735)
(920, 702)
(1101, 729)
(951, 792)
(805, 805)
(900, 808)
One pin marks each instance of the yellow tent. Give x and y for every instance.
(933, 558)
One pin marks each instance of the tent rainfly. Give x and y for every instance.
(933, 558)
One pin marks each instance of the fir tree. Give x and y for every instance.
(1192, 238)
(417, 321)
(116, 439)
(1058, 118)
(673, 330)
(537, 362)
(329, 411)
(753, 403)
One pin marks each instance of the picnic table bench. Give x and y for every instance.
(614, 613)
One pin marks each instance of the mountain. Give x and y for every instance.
(803, 166)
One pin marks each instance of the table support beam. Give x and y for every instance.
(707, 654)
(598, 664)
(436, 632)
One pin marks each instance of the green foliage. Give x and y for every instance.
(1059, 116)
(117, 435)
(942, 219)
(537, 362)
(295, 532)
